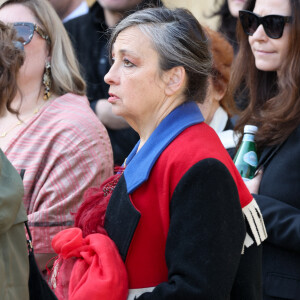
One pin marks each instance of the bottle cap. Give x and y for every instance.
(250, 129)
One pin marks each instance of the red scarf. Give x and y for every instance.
(89, 265)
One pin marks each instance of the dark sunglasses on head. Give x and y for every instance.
(26, 30)
(273, 24)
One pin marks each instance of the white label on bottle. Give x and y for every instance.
(248, 137)
(250, 158)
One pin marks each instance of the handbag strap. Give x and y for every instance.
(263, 164)
(29, 240)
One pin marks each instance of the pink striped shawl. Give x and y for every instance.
(64, 150)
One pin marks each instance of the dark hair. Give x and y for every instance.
(179, 40)
(144, 4)
(274, 101)
(11, 59)
(227, 23)
(150, 3)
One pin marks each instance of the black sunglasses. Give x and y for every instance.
(273, 24)
(26, 30)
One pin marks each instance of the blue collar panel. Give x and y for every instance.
(139, 164)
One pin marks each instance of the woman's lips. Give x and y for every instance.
(112, 98)
(263, 52)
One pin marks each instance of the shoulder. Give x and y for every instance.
(295, 134)
(11, 194)
(197, 147)
(72, 112)
(69, 104)
(208, 170)
(200, 141)
(208, 183)
(289, 150)
(86, 24)
(74, 25)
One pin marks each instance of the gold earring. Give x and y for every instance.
(47, 81)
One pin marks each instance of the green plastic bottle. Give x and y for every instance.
(246, 158)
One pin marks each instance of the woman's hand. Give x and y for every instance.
(253, 184)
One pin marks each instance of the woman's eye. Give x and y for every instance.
(127, 63)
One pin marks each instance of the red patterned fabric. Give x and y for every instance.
(64, 150)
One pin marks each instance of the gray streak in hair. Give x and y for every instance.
(179, 40)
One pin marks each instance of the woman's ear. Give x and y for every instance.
(218, 89)
(219, 94)
(175, 80)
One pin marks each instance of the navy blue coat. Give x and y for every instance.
(279, 201)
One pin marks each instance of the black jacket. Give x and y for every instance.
(89, 35)
(279, 201)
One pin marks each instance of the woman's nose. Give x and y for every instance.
(260, 33)
(111, 76)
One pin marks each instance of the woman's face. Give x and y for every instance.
(234, 6)
(35, 52)
(136, 85)
(270, 53)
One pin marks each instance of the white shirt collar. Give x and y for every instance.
(228, 138)
(219, 120)
(82, 9)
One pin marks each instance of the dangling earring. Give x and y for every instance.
(47, 81)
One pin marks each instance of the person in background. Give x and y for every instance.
(175, 213)
(217, 108)
(14, 271)
(219, 104)
(268, 61)
(228, 12)
(49, 133)
(89, 36)
(70, 9)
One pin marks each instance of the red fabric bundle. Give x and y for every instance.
(88, 268)
(89, 265)
(90, 216)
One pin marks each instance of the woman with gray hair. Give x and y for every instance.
(175, 212)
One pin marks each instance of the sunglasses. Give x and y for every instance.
(273, 24)
(25, 31)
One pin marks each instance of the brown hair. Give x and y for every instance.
(222, 55)
(11, 59)
(274, 101)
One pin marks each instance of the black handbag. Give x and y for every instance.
(38, 287)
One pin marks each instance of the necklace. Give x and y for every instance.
(20, 122)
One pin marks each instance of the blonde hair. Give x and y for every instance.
(65, 73)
